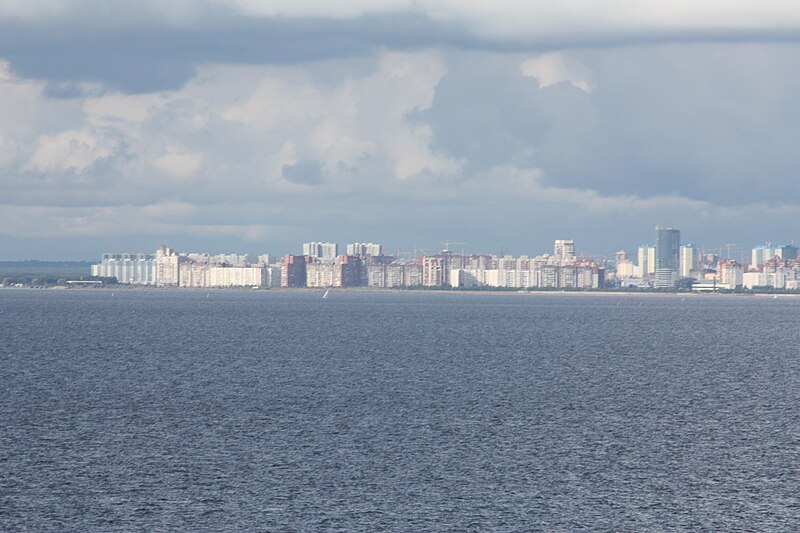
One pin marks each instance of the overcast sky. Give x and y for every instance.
(252, 126)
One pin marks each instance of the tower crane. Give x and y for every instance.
(728, 248)
(447, 244)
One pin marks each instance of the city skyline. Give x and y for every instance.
(669, 264)
(742, 253)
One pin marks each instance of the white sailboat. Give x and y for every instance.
(326, 293)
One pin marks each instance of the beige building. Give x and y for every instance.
(688, 261)
(647, 260)
(237, 276)
(167, 272)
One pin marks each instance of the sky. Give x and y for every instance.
(253, 126)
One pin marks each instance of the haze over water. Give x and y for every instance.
(229, 411)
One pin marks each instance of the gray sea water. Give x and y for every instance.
(397, 411)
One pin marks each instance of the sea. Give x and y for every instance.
(169, 410)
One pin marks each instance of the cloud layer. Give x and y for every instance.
(257, 125)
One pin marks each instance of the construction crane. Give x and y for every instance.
(728, 248)
(447, 244)
(417, 251)
(711, 249)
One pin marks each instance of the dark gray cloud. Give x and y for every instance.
(156, 56)
(486, 113)
(303, 173)
(711, 122)
(146, 46)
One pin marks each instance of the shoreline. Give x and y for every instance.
(519, 292)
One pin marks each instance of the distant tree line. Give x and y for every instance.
(33, 280)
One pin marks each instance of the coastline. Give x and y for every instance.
(519, 293)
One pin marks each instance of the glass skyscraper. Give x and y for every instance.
(668, 243)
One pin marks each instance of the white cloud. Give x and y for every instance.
(277, 102)
(361, 117)
(178, 162)
(25, 112)
(70, 151)
(513, 184)
(8, 151)
(375, 137)
(551, 69)
(119, 110)
(232, 129)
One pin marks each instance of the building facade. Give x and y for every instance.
(688, 261)
(647, 260)
(324, 251)
(132, 269)
(365, 249)
(668, 241)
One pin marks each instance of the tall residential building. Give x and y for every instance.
(688, 260)
(134, 269)
(730, 274)
(231, 259)
(564, 249)
(364, 249)
(647, 260)
(762, 254)
(167, 271)
(293, 271)
(668, 241)
(324, 251)
(624, 266)
(350, 271)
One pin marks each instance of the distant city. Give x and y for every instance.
(665, 265)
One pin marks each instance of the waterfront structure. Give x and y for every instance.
(777, 268)
(167, 272)
(238, 276)
(132, 269)
(775, 273)
(293, 271)
(346, 271)
(667, 257)
(168, 268)
(436, 270)
(731, 274)
(319, 273)
(688, 261)
(324, 251)
(529, 273)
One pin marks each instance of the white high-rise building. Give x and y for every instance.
(730, 274)
(134, 269)
(647, 260)
(167, 272)
(324, 251)
(762, 254)
(564, 249)
(688, 261)
(364, 248)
